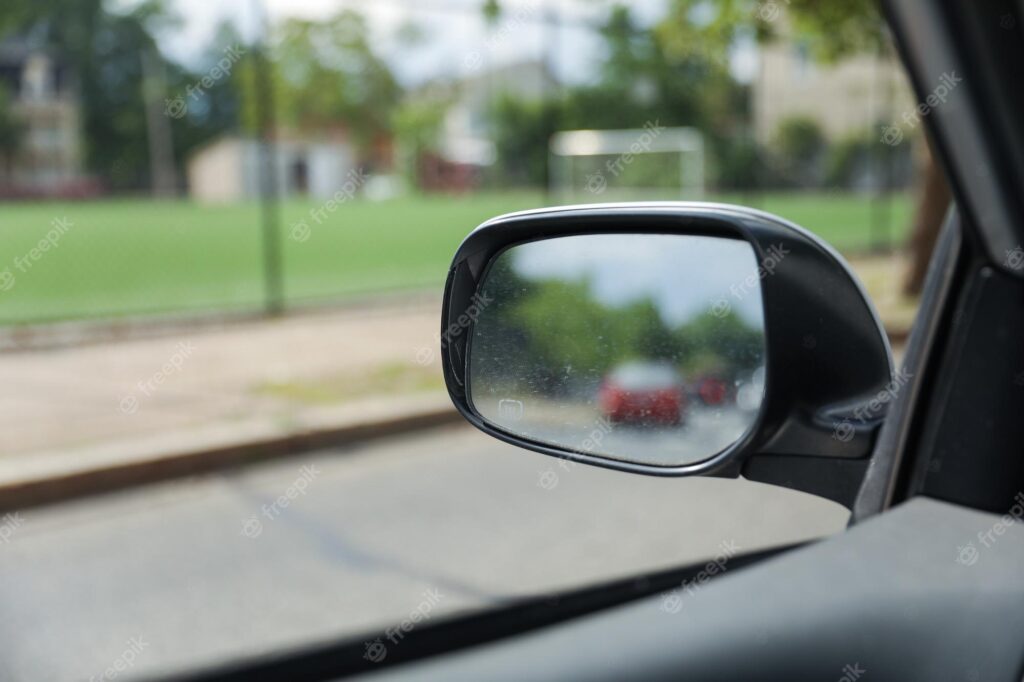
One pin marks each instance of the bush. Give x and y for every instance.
(857, 160)
(800, 145)
(738, 164)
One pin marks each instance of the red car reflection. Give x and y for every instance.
(712, 390)
(643, 393)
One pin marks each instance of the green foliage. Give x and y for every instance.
(566, 327)
(847, 156)
(839, 28)
(217, 109)
(556, 323)
(642, 79)
(417, 125)
(799, 145)
(739, 164)
(522, 129)
(725, 339)
(491, 11)
(835, 29)
(856, 157)
(800, 139)
(11, 128)
(325, 72)
(103, 47)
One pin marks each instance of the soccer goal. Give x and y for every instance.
(648, 163)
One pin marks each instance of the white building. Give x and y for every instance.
(851, 96)
(229, 169)
(466, 135)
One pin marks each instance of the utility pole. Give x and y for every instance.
(552, 27)
(163, 176)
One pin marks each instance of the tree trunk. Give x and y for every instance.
(932, 203)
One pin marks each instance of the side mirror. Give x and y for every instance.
(668, 339)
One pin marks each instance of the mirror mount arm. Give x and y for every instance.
(833, 478)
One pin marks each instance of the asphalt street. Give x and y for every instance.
(705, 432)
(345, 542)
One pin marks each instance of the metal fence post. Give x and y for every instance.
(270, 208)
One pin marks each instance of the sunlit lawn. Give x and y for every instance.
(125, 257)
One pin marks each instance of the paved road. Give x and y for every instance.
(194, 571)
(706, 432)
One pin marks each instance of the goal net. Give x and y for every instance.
(649, 163)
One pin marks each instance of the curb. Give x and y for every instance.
(141, 462)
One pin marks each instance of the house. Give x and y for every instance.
(850, 97)
(43, 98)
(465, 139)
(466, 135)
(229, 168)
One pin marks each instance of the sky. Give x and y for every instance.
(456, 39)
(684, 275)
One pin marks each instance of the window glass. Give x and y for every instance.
(224, 233)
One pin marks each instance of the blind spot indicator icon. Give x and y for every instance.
(510, 410)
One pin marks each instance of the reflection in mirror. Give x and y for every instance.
(644, 348)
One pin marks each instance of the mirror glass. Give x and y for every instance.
(646, 348)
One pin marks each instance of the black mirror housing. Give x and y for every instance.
(827, 356)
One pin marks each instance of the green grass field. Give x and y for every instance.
(129, 257)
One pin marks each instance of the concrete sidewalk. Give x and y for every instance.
(272, 370)
(76, 417)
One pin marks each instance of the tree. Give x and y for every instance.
(801, 143)
(11, 132)
(723, 340)
(642, 79)
(326, 74)
(834, 30)
(417, 126)
(854, 26)
(104, 49)
(522, 129)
